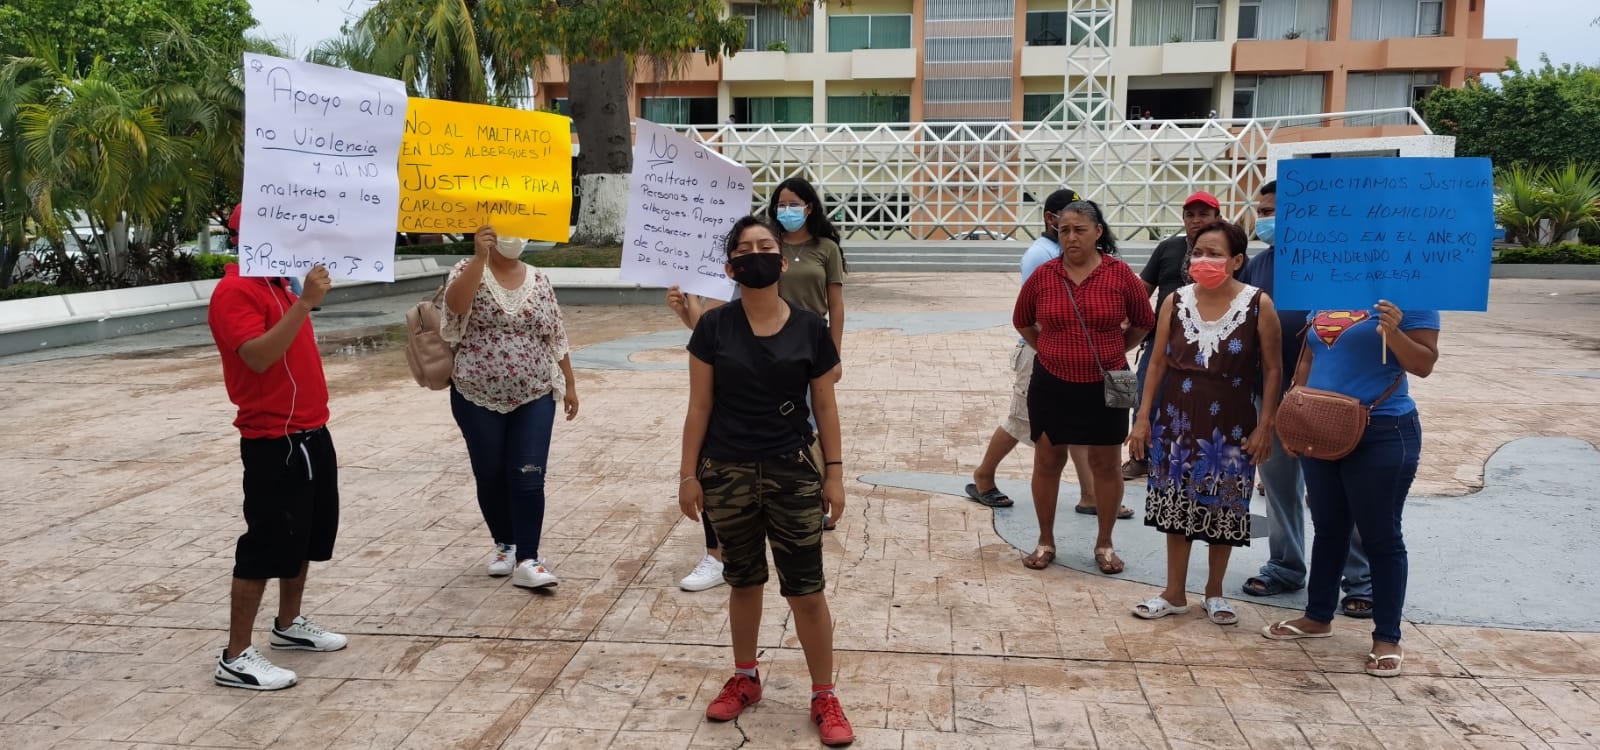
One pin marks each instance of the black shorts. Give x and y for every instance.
(291, 504)
(1073, 413)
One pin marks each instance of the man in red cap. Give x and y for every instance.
(1165, 272)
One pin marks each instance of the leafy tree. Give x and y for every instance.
(117, 31)
(1544, 117)
(461, 49)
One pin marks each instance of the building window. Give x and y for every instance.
(562, 105)
(766, 27)
(1037, 107)
(1365, 91)
(1047, 28)
(847, 33)
(1205, 22)
(1082, 106)
(1162, 21)
(869, 109)
(772, 110)
(1430, 18)
(1278, 96)
(1249, 20)
(679, 110)
(1392, 19)
(1097, 22)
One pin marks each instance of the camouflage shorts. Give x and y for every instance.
(777, 500)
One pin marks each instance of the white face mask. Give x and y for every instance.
(510, 247)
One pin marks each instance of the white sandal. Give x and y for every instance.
(1219, 612)
(1295, 633)
(1379, 671)
(1157, 607)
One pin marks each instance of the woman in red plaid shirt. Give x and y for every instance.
(1066, 400)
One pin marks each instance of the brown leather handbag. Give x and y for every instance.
(1322, 424)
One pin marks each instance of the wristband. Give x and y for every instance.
(686, 479)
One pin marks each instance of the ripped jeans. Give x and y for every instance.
(508, 454)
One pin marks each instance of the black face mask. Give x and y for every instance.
(757, 270)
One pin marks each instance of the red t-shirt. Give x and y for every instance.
(292, 395)
(1110, 295)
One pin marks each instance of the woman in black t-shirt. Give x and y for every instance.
(750, 464)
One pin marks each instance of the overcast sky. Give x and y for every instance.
(1558, 27)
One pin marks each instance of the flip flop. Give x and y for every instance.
(1264, 586)
(1157, 607)
(994, 498)
(1219, 612)
(1295, 633)
(1359, 614)
(1106, 559)
(1041, 558)
(1090, 510)
(1379, 671)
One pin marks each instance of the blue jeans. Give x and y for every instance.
(508, 454)
(1286, 524)
(1366, 489)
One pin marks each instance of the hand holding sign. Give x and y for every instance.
(684, 199)
(320, 185)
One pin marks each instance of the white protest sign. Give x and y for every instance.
(321, 184)
(682, 201)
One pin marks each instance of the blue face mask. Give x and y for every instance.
(791, 218)
(1266, 229)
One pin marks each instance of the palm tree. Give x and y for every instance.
(457, 49)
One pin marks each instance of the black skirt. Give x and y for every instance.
(1073, 413)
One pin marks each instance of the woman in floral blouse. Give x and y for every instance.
(511, 367)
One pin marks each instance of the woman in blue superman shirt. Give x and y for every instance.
(1366, 489)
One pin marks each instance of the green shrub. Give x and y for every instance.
(446, 248)
(1569, 254)
(210, 266)
(31, 289)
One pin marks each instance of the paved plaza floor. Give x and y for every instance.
(120, 509)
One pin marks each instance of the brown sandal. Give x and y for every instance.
(1106, 559)
(1041, 558)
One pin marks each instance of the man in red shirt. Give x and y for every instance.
(273, 373)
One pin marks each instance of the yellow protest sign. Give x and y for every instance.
(466, 165)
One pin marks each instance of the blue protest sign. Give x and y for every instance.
(1415, 231)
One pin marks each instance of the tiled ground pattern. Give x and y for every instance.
(121, 509)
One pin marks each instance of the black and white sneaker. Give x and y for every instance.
(251, 671)
(305, 635)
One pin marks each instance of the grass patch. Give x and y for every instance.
(560, 256)
(1569, 254)
(577, 256)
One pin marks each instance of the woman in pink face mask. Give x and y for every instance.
(1215, 339)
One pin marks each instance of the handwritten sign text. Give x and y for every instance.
(683, 199)
(1414, 231)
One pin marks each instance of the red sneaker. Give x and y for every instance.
(831, 723)
(738, 693)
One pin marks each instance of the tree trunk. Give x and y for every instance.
(599, 95)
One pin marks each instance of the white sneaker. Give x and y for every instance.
(505, 558)
(532, 574)
(706, 575)
(251, 671)
(305, 635)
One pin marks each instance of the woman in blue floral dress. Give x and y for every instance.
(1216, 341)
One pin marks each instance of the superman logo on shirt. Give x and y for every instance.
(1329, 325)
